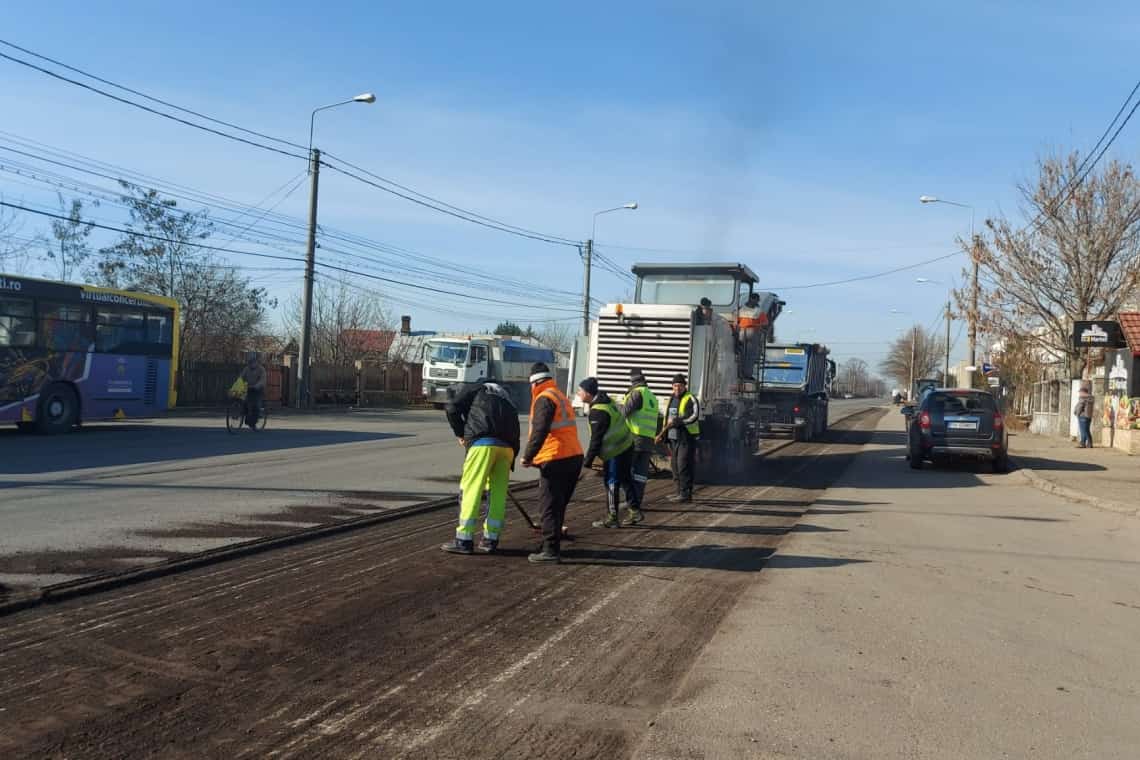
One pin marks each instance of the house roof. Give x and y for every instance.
(369, 341)
(1130, 326)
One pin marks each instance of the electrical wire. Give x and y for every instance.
(474, 220)
(864, 277)
(148, 109)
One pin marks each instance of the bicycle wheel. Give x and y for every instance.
(235, 416)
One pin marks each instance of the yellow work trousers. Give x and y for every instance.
(486, 468)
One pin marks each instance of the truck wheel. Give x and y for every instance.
(59, 409)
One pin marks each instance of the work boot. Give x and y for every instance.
(633, 516)
(547, 555)
(611, 521)
(487, 546)
(459, 546)
(679, 498)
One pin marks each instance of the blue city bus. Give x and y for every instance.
(70, 353)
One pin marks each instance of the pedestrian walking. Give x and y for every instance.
(682, 429)
(553, 448)
(642, 413)
(1084, 412)
(612, 440)
(486, 423)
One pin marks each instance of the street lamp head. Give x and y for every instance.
(365, 97)
(631, 206)
(927, 199)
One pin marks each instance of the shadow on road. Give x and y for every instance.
(118, 445)
(704, 557)
(1056, 465)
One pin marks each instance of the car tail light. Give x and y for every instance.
(924, 421)
(795, 409)
(999, 421)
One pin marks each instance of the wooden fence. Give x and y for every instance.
(206, 384)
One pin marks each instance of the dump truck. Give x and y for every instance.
(663, 333)
(450, 361)
(793, 394)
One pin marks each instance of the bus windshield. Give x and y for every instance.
(448, 353)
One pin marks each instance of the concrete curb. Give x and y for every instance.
(1045, 485)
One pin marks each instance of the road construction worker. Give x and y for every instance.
(642, 413)
(554, 449)
(612, 440)
(750, 327)
(682, 429)
(486, 422)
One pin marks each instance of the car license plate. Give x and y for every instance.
(963, 426)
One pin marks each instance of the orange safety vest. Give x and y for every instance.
(752, 316)
(562, 440)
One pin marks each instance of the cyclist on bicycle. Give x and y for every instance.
(253, 374)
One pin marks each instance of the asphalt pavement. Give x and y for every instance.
(116, 495)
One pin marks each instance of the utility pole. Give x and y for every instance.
(587, 258)
(974, 308)
(913, 340)
(946, 373)
(303, 369)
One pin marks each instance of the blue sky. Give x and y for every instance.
(793, 137)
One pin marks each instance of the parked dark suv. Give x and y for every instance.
(951, 423)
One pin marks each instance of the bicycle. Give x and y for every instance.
(235, 415)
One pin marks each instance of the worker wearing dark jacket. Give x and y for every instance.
(486, 423)
(612, 440)
(682, 428)
(554, 449)
(642, 413)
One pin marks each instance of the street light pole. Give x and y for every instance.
(588, 259)
(304, 371)
(973, 315)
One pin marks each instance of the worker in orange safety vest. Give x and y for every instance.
(553, 447)
(750, 327)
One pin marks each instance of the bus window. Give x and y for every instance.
(17, 323)
(65, 327)
(117, 330)
(158, 329)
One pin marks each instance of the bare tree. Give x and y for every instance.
(221, 309)
(14, 249)
(557, 335)
(917, 353)
(347, 324)
(1074, 256)
(68, 247)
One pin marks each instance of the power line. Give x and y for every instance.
(148, 109)
(474, 220)
(466, 213)
(861, 278)
(402, 191)
(345, 270)
(151, 98)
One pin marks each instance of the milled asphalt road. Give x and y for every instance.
(964, 615)
(110, 496)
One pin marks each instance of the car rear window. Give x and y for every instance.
(961, 403)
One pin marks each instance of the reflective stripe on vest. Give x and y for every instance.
(694, 428)
(643, 422)
(562, 440)
(751, 316)
(618, 437)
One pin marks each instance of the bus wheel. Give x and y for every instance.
(59, 409)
